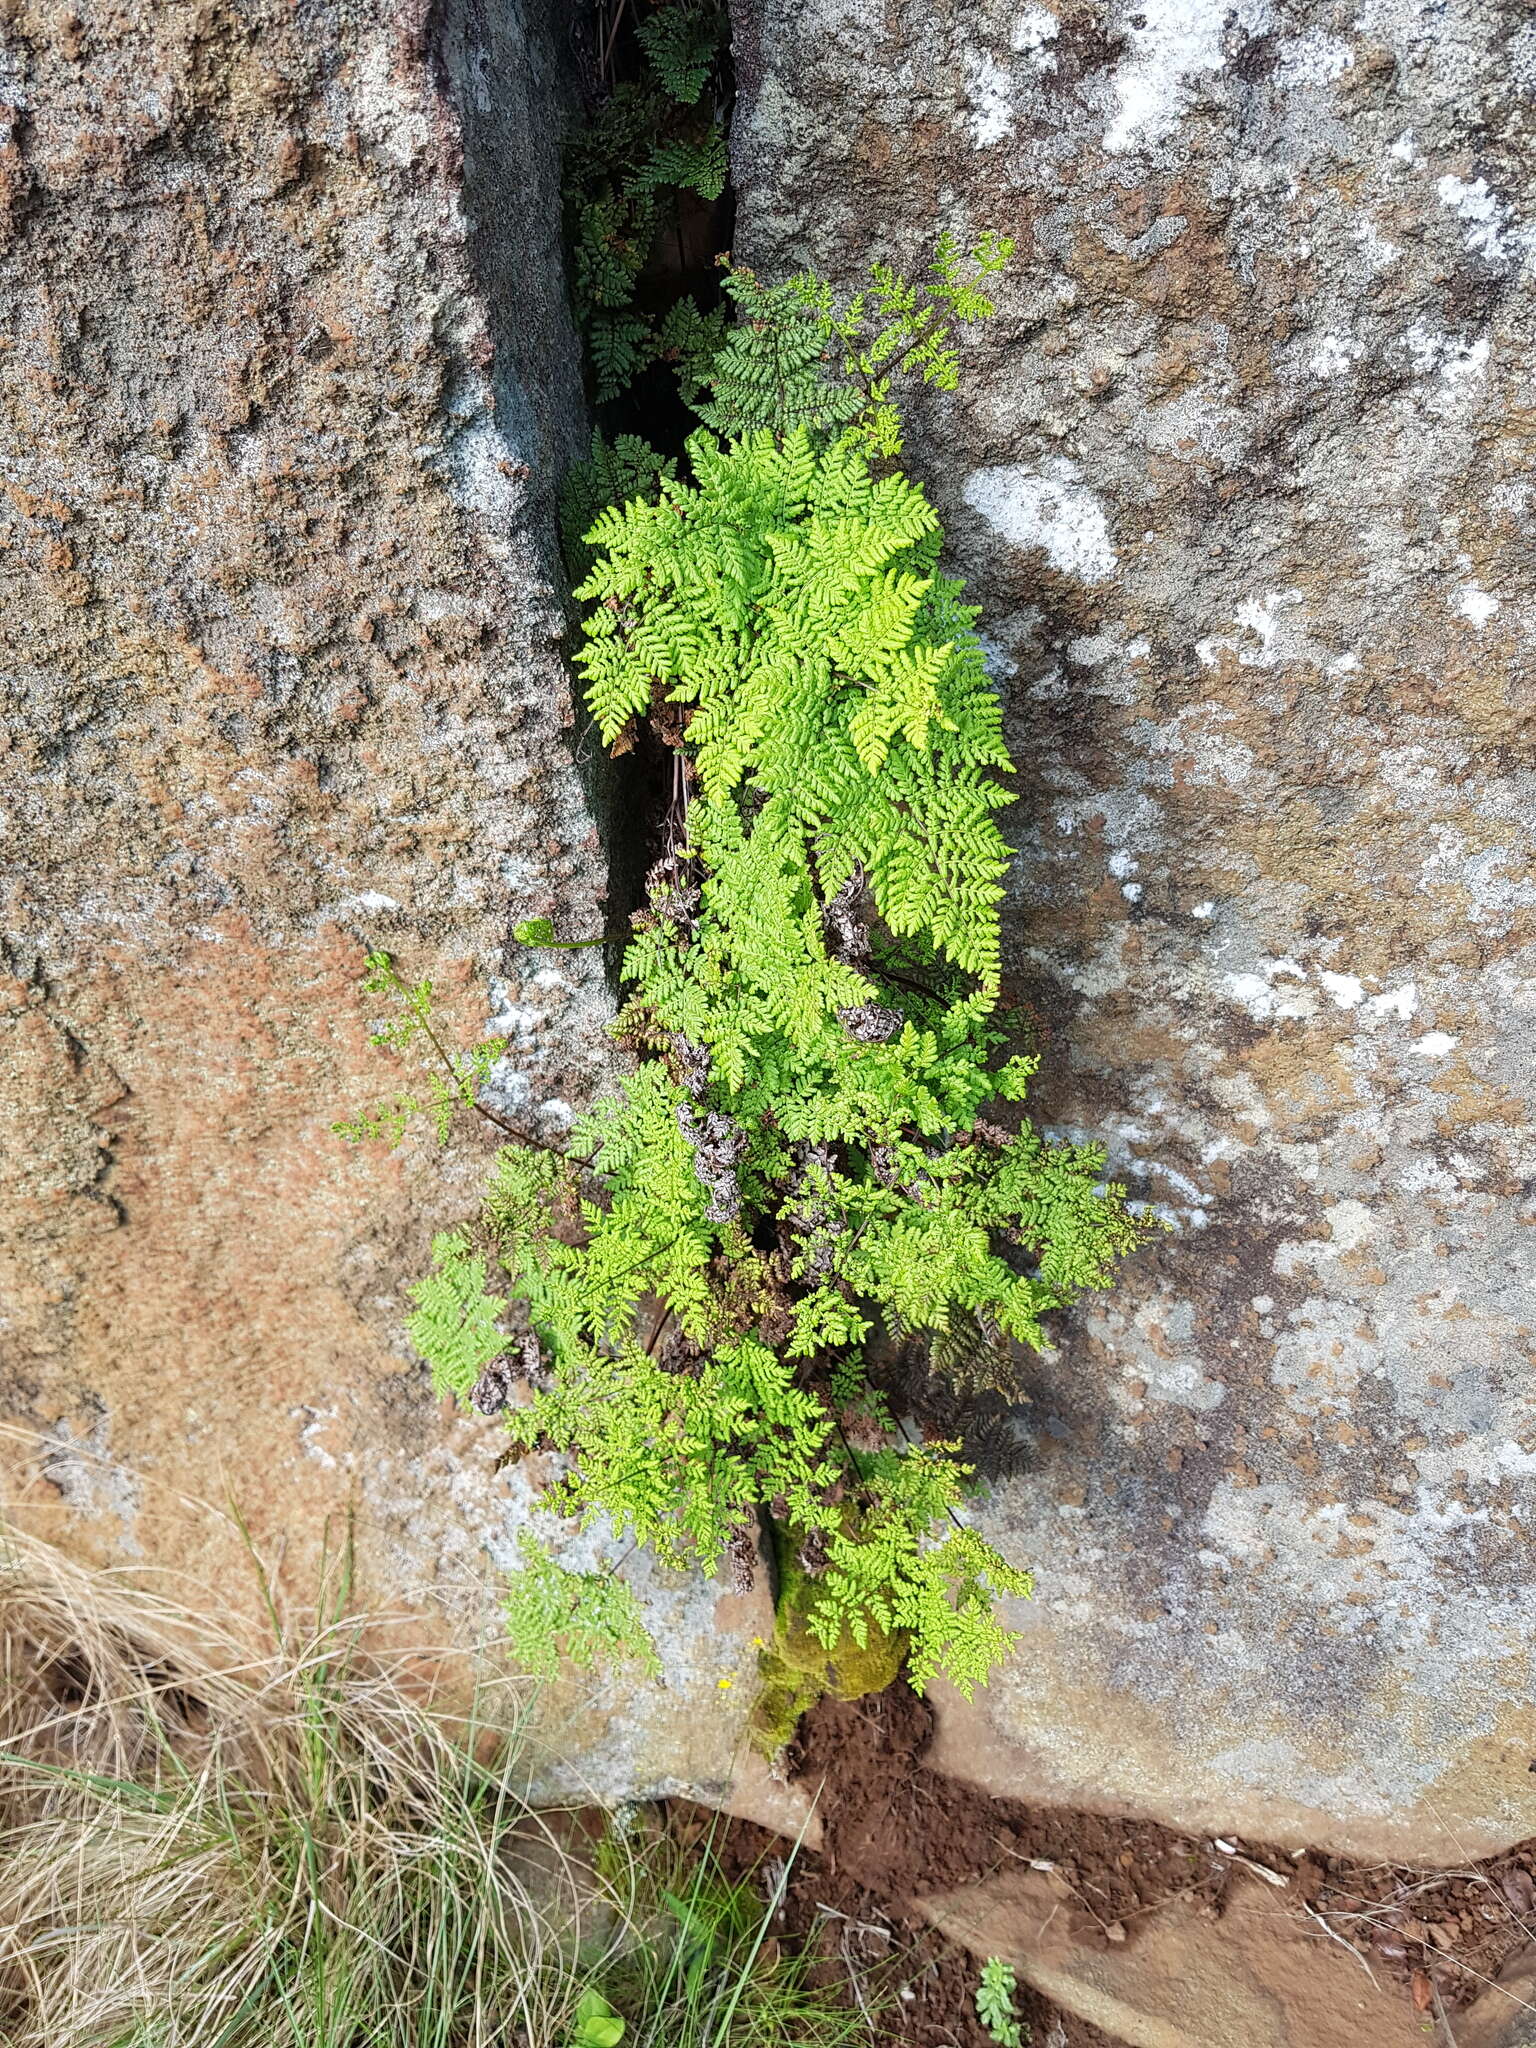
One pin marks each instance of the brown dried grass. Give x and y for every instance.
(232, 1842)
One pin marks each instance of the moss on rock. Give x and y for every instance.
(797, 1669)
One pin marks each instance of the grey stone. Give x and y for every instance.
(286, 385)
(1242, 475)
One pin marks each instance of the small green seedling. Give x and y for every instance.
(595, 2024)
(994, 2004)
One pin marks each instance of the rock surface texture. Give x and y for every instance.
(1262, 1974)
(285, 381)
(1243, 476)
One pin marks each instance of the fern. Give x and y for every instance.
(613, 473)
(685, 166)
(654, 138)
(884, 1570)
(689, 341)
(454, 1085)
(454, 1326)
(682, 42)
(816, 1157)
(584, 1616)
(798, 359)
(776, 369)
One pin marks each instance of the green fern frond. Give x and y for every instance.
(682, 41)
(653, 139)
(689, 340)
(685, 166)
(801, 1164)
(584, 1617)
(613, 473)
(455, 1323)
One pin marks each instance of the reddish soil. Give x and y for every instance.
(894, 1830)
(1458, 1927)
(916, 1988)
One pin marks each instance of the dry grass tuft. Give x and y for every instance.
(214, 1843)
(209, 1841)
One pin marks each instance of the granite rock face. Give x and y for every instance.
(286, 379)
(1242, 474)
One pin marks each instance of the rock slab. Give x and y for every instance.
(1260, 1975)
(286, 383)
(1241, 475)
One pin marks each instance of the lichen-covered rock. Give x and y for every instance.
(1242, 474)
(286, 380)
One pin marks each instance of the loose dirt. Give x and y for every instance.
(895, 1831)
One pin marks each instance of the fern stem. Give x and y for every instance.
(606, 60)
(492, 1116)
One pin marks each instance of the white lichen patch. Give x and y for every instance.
(313, 1425)
(1162, 1330)
(1319, 1362)
(1049, 508)
(1485, 214)
(1317, 58)
(1457, 367)
(1477, 605)
(1256, 992)
(1110, 658)
(989, 99)
(1333, 354)
(1264, 636)
(1092, 650)
(1465, 360)
(1350, 1225)
(1032, 34)
(391, 121)
(365, 899)
(531, 1020)
(89, 1480)
(1213, 757)
(481, 465)
(1274, 989)
(1346, 990)
(1000, 664)
(1337, 1550)
(1406, 150)
(1171, 41)
(1394, 1002)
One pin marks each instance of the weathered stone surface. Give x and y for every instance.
(285, 381)
(1242, 476)
(1505, 2014)
(1263, 1974)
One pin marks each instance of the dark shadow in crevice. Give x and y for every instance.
(505, 69)
(519, 73)
(682, 264)
(502, 66)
